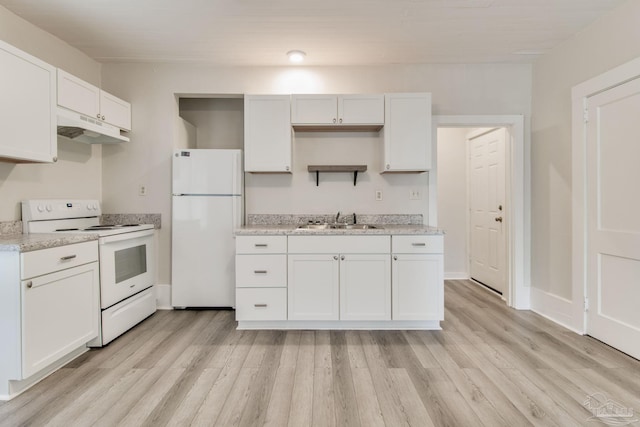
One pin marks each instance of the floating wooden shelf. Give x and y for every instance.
(337, 168)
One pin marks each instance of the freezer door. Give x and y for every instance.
(207, 172)
(203, 250)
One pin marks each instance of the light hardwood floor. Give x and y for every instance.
(489, 366)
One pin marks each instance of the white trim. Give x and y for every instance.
(518, 290)
(579, 94)
(454, 275)
(341, 324)
(163, 297)
(554, 308)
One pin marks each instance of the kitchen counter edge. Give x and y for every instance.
(291, 230)
(37, 241)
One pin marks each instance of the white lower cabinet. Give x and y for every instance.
(418, 277)
(314, 292)
(49, 311)
(261, 278)
(351, 280)
(340, 281)
(365, 287)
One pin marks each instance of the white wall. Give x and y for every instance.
(452, 200)
(457, 89)
(609, 42)
(219, 122)
(78, 170)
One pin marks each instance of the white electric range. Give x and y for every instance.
(127, 259)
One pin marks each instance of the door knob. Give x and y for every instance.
(498, 219)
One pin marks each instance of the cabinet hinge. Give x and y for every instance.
(586, 304)
(585, 115)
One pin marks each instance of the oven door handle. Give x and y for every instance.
(126, 236)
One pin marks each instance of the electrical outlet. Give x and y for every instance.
(142, 190)
(414, 194)
(378, 195)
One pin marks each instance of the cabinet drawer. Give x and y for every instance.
(261, 304)
(339, 244)
(261, 244)
(419, 244)
(268, 271)
(45, 261)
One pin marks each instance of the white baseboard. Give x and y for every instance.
(163, 297)
(557, 309)
(452, 275)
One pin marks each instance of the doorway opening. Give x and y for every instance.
(481, 202)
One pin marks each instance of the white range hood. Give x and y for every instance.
(81, 128)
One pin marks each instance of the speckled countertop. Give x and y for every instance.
(291, 230)
(34, 242)
(285, 224)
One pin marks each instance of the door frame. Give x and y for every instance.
(576, 310)
(518, 291)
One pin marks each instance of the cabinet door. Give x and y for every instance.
(313, 292)
(115, 111)
(365, 287)
(314, 109)
(27, 107)
(60, 312)
(407, 132)
(361, 109)
(78, 95)
(417, 285)
(267, 133)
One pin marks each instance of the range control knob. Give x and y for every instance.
(49, 208)
(40, 208)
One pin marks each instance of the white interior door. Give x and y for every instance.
(613, 222)
(487, 208)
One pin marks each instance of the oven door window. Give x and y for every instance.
(130, 262)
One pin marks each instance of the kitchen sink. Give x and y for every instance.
(327, 226)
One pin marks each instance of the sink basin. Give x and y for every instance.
(326, 226)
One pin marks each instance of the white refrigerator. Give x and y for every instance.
(206, 209)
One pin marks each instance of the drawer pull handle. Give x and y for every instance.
(260, 305)
(418, 244)
(67, 258)
(261, 245)
(30, 284)
(260, 271)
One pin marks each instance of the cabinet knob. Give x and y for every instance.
(30, 284)
(342, 257)
(287, 168)
(98, 116)
(55, 159)
(340, 120)
(334, 120)
(395, 257)
(388, 166)
(335, 257)
(498, 219)
(102, 117)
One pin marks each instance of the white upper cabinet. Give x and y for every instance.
(115, 111)
(407, 132)
(85, 98)
(267, 133)
(337, 110)
(27, 107)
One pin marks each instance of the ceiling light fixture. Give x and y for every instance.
(296, 56)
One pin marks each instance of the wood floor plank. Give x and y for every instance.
(188, 407)
(344, 394)
(301, 412)
(370, 412)
(412, 406)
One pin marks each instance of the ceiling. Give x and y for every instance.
(331, 32)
